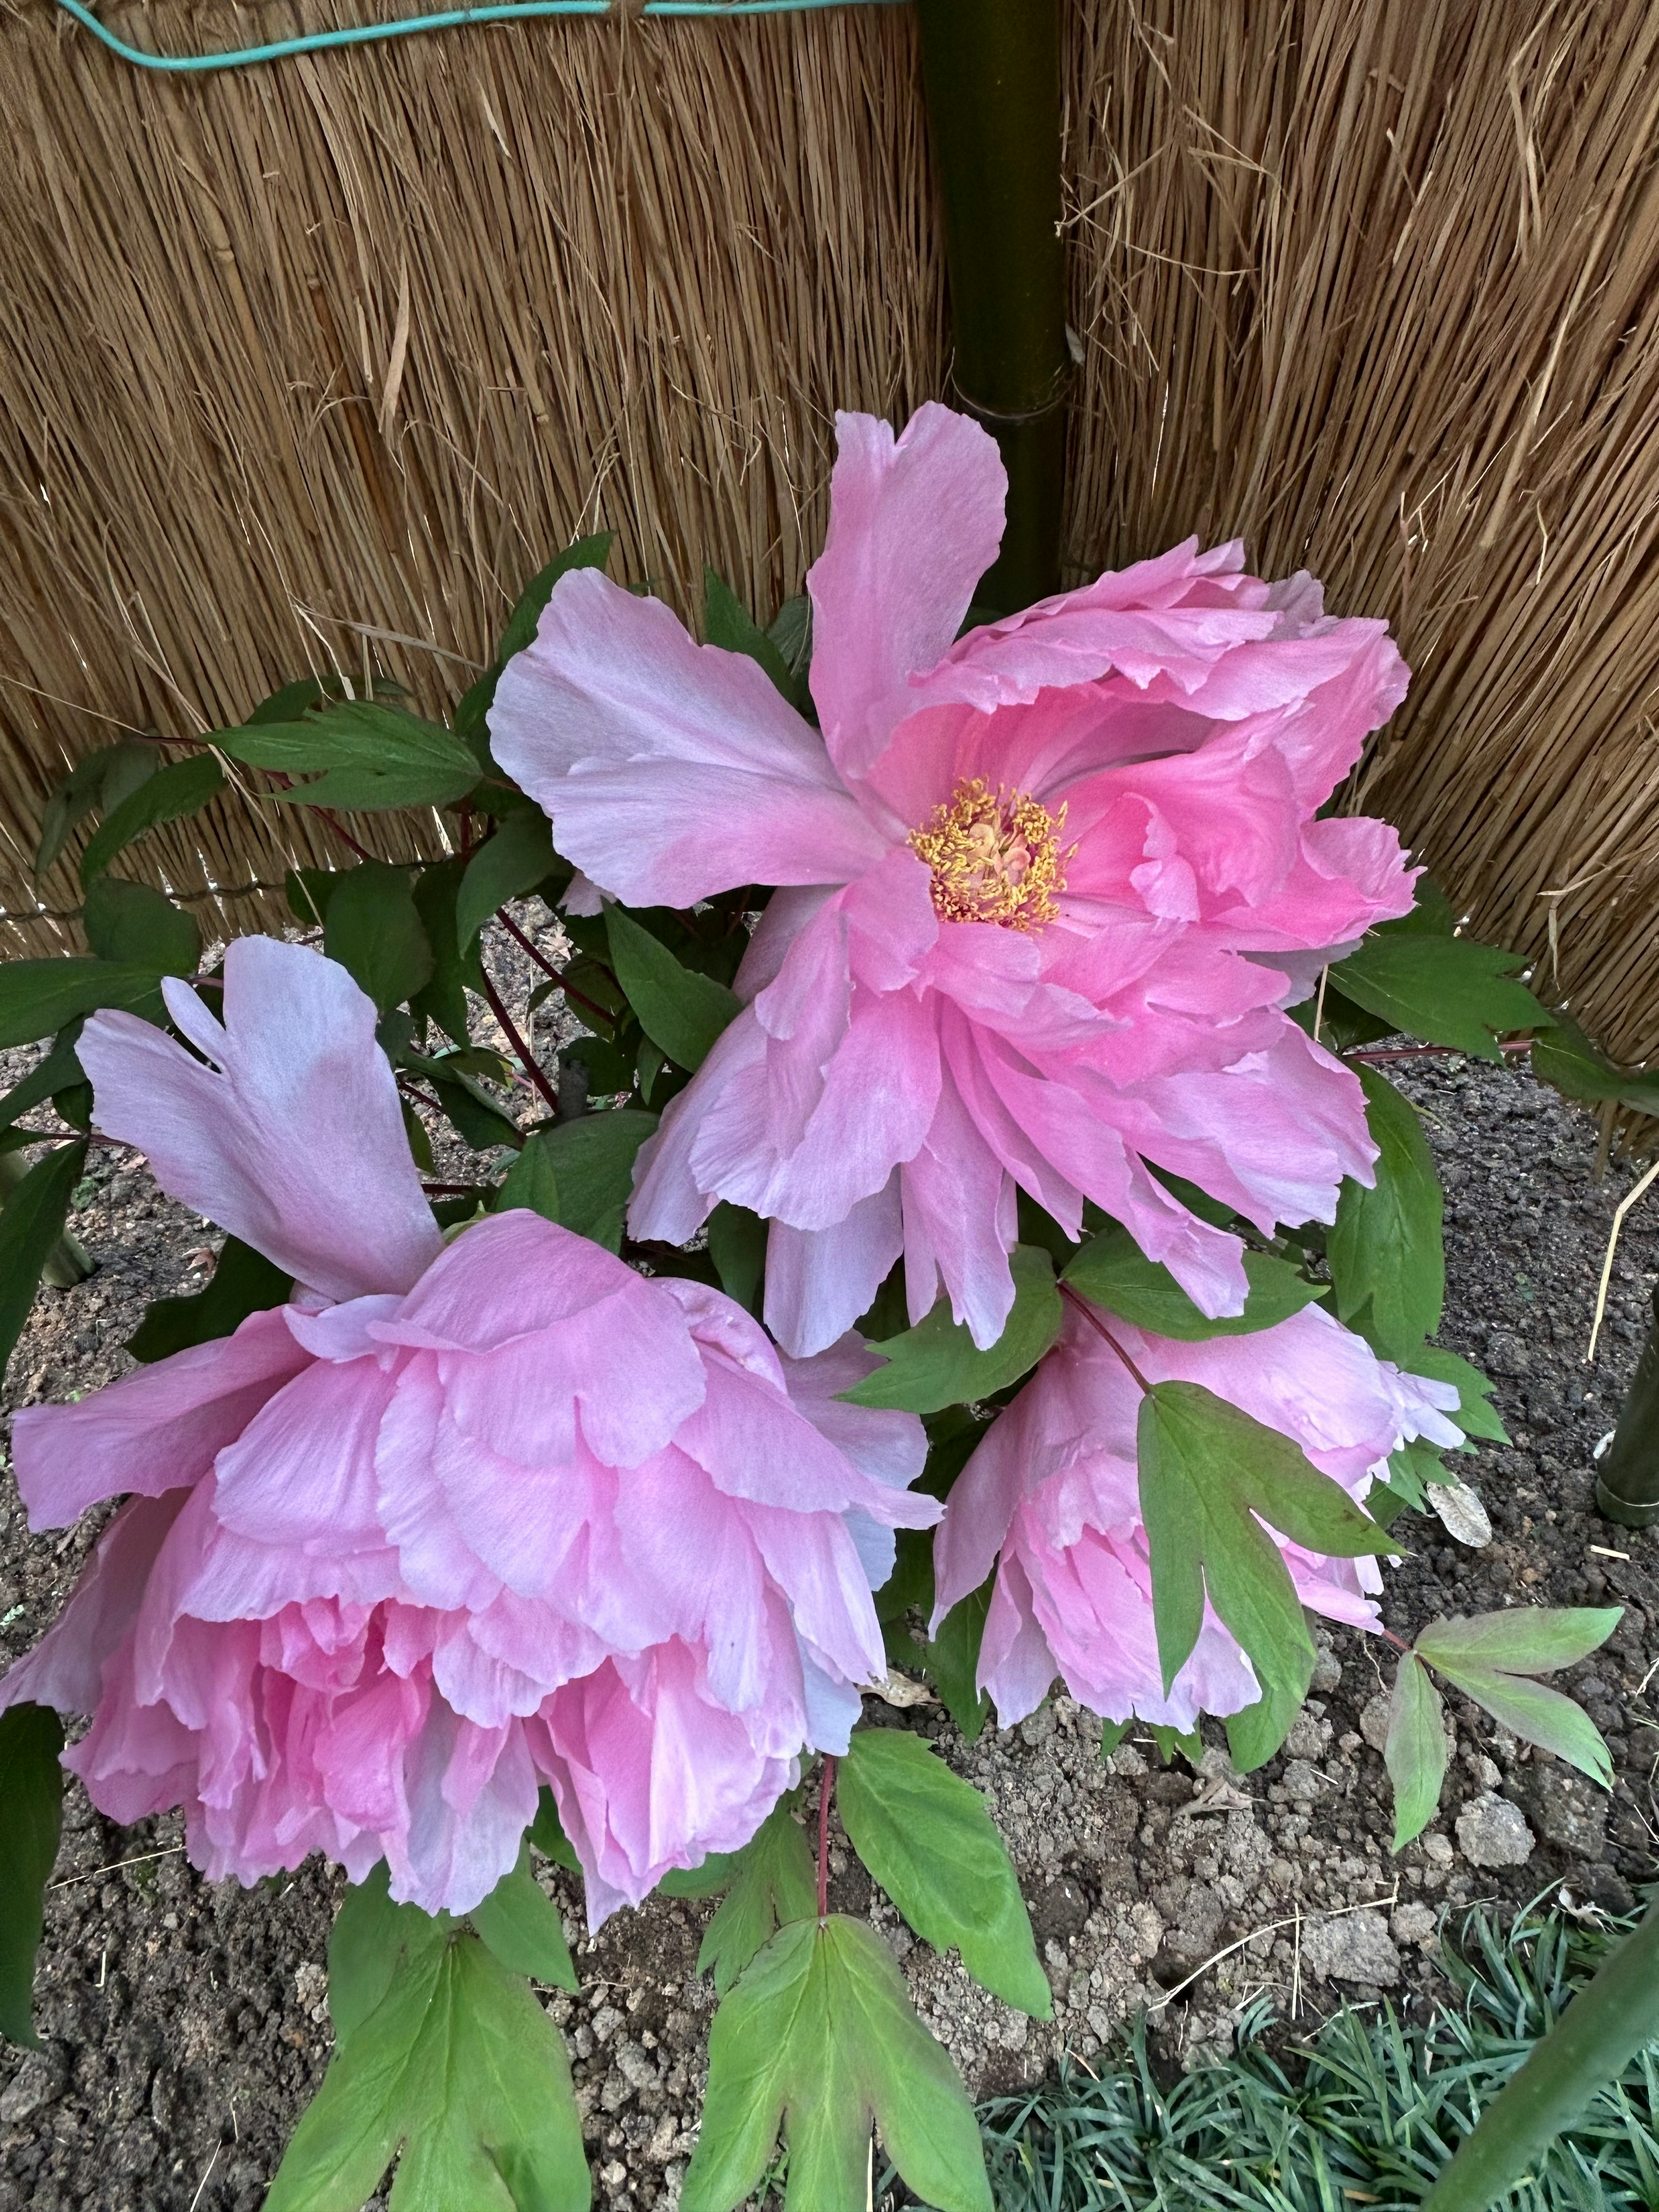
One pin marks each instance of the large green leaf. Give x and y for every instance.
(167, 796)
(31, 1223)
(39, 996)
(679, 1010)
(737, 1245)
(1207, 1471)
(1113, 1271)
(1447, 990)
(131, 923)
(593, 1162)
(509, 865)
(952, 1656)
(1578, 1069)
(31, 1815)
(1493, 1658)
(1415, 1750)
(1476, 1415)
(1388, 1266)
(531, 1182)
(926, 1836)
(937, 1363)
(768, 1884)
(244, 1282)
(358, 755)
(370, 1940)
(455, 2065)
(59, 1070)
(374, 930)
(521, 1925)
(728, 623)
(455, 971)
(818, 2039)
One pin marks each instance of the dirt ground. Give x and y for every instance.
(185, 2022)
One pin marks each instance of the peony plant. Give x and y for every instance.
(960, 1233)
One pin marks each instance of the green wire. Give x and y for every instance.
(403, 27)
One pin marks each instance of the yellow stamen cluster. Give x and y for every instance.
(993, 857)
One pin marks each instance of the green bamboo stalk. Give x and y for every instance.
(1592, 2042)
(68, 1262)
(991, 70)
(1628, 1488)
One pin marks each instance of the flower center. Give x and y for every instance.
(993, 857)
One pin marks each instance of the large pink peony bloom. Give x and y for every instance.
(1046, 889)
(1054, 1489)
(452, 1523)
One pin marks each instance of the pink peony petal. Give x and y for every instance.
(818, 1281)
(913, 523)
(293, 1140)
(672, 770)
(65, 1668)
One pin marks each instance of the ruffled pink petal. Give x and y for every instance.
(672, 770)
(301, 1473)
(1017, 1669)
(154, 1431)
(960, 1224)
(293, 1139)
(472, 1796)
(818, 1281)
(913, 523)
(65, 1668)
(890, 1447)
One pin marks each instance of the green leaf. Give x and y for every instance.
(1523, 1639)
(31, 1793)
(737, 1245)
(952, 1659)
(1415, 1750)
(1565, 1057)
(59, 1070)
(707, 1879)
(39, 996)
(103, 779)
(678, 1009)
(726, 622)
(1541, 1715)
(1411, 1470)
(522, 1927)
(1446, 990)
(937, 1363)
(475, 1114)
(374, 929)
(1112, 1270)
(927, 1838)
(171, 793)
(1168, 1741)
(509, 865)
(547, 1833)
(531, 1182)
(454, 971)
(791, 631)
(819, 2038)
(459, 2068)
(1476, 1415)
(308, 891)
(31, 1223)
(372, 1939)
(771, 1882)
(593, 1161)
(1388, 1266)
(1206, 1471)
(133, 923)
(358, 755)
(244, 1282)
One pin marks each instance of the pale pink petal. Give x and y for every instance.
(156, 1430)
(1017, 1669)
(890, 1447)
(913, 523)
(293, 1140)
(472, 1796)
(960, 1223)
(65, 1668)
(672, 770)
(301, 1473)
(818, 1281)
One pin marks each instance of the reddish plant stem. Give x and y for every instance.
(1415, 1051)
(1101, 1330)
(417, 1097)
(527, 1059)
(451, 1189)
(342, 832)
(520, 938)
(826, 1792)
(1399, 1642)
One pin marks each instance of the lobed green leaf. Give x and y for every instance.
(169, 795)
(132, 924)
(1414, 1750)
(1388, 1266)
(1113, 1271)
(38, 997)
(521, 1925)
(511, 864)
(937, 1363)
(593, 1162)
(768, 1884)
(374, 929)
(358, 755)
(1446, 990)
(679, 1010)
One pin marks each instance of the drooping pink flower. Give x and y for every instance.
(1051, 1499)
(454, 1521)
(1044, 890)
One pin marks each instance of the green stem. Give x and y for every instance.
(68, 1262)
(1590, 2046)
(1628, 1488)
(991, 70)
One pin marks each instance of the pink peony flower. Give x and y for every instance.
(452, 1521)
(1054, 1489)
(1045, 890)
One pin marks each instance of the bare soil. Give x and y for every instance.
(187, 2023)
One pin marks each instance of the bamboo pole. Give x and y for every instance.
(991, 73)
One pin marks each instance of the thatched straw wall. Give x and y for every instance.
(298, 362)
